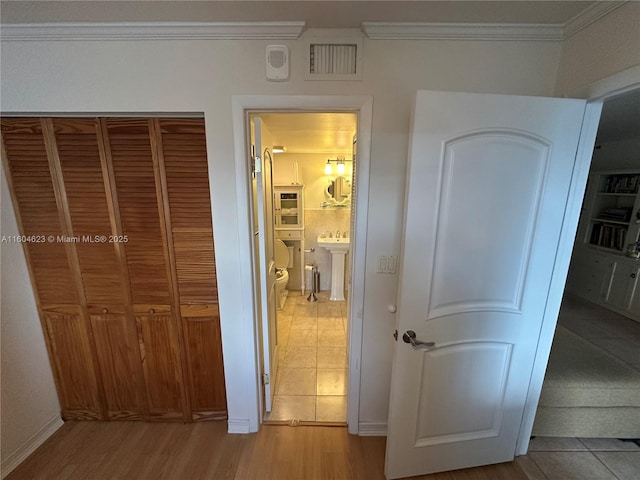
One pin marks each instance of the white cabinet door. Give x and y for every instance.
(588, 275)
(488, 180)
(622, 285)
(634, 304)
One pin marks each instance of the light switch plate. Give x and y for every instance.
(387, 264)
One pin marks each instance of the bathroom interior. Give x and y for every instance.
(312, 182)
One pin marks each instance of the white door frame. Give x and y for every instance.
(596, 94)
(363, 106)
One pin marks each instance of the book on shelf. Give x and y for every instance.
(608, 236)
(622, 184)
(620, 214)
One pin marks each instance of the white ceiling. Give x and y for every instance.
(316, 14)
(330, 133)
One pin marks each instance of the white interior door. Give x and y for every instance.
(263, 205)
(488, 180)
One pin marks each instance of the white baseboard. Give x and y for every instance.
(28, 447)
(372, 429)
(238, 426)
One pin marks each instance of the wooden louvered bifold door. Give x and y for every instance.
(29, 164)
(184, 157)
(136, 177)
(83, 168)
(123, 264)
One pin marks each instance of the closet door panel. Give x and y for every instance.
(203, 343)
(78, 388)
(138, 198)
(184, 152)
(35, 202)
(119, 360)
(79, 155)
(185, 161)
(160, 360)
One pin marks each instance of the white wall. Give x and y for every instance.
(310, 173)
(30, 410)
(182, 76)
(606, 47)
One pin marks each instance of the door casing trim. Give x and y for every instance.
(363, 106)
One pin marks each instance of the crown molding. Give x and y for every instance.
(588, 16)
(150, 31)
(490, 31)
(462, 31)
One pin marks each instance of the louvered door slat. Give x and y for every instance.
(79, 154)
(185, 160)
(138, 199)
(33, 191)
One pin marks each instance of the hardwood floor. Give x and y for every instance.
(133, 450)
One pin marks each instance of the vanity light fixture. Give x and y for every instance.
(279, 149)
(340, 167)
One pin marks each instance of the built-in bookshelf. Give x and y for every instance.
(614, 211)
(603, 270)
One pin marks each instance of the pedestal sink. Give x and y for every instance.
(338, 247)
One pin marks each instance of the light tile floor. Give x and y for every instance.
(311, 384)
(555, 458)
(552, 458)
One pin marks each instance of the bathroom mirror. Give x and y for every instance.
(339, 191)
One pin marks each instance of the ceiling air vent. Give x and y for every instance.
(334, 60)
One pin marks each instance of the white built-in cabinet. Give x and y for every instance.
(600, 270)
(288, 209)
(289, 206)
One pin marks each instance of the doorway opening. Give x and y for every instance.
(597, 334)
(303, 210)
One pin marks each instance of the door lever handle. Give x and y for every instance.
(410, 337)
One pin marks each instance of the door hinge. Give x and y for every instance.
(256, 165)
(266, 378)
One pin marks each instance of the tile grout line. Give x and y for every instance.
(538, 467)
(605, 465)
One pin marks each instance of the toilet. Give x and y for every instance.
(283, 260)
